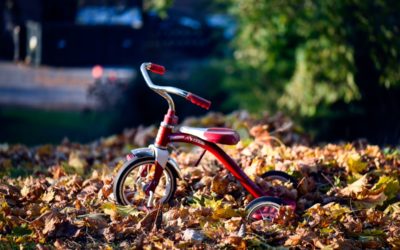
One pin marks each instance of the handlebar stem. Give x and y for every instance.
(162, 90)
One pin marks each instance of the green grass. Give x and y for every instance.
(34, 126)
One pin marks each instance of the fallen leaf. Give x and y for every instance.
(355, 187)
(355, 164)
(48, 196)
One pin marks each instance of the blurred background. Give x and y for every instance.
(69, 68)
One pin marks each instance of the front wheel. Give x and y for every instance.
(133, 178)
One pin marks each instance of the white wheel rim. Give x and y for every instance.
(164, 179)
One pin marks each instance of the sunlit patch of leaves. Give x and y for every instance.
(347, 195)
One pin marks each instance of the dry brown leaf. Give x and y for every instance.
(59, 207)
(356, 187)
(219, 184)
(48, 196)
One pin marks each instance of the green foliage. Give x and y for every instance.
(303, 56)
(159, 6)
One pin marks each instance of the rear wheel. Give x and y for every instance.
(278, 184)
(276, 175)
(133, 178)
(263, 208)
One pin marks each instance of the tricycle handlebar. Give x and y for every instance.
(199, 101)
(163, 91)
(155, 68)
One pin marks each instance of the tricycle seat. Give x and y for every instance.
(225, 136)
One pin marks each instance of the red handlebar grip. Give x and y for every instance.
(158, 69)
(199, 101)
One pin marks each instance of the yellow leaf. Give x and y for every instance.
(108, 247)
(4, 205)
(44, 209)
(389, 184)
(20, 239)
(158, 245)
(118, 166)
(393, 208)
(224, 212)
(355, 163)
(336, 210)
(109, 208)
(211, 203)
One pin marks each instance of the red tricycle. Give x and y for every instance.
(149, 176)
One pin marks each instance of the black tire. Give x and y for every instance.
(279, 175)
(169, 174)
(263, 202)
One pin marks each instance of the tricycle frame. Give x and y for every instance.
(165, 136)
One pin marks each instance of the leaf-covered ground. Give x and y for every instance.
(60, 196)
